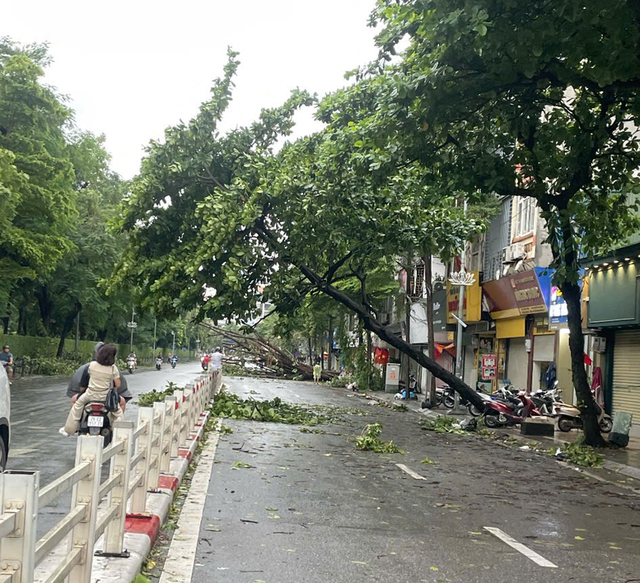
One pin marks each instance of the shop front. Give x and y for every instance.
(524, 343)
(614, 310)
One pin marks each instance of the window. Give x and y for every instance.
(525, 212)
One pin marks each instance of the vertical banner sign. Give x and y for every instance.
(489, 366)
(558, 313)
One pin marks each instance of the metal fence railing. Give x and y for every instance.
(137, 456)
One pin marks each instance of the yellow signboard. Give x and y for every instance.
(472, 309)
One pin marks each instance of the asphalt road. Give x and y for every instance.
(39, 407)
(314, 509)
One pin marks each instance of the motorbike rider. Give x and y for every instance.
(99, 377)
(174, 359)
(205, 361)
(6, 358)
(132, 357)
(73, 388)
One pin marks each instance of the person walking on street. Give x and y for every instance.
(317, 372)
(101, 375)
(216, 359)
(6, 358)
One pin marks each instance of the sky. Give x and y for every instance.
(132, 68)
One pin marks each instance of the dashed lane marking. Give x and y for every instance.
(514, 544)
(409, 471)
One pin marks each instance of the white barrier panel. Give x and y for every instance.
(138, 455)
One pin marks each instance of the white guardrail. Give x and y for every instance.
(138, 454)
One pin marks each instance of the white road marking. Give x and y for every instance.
(411, 472)
(526, 551)
(181, 558)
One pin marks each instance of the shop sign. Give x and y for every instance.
(439, 311)
(472, 308)
(489, 366)
(527, 292)
(558, 311)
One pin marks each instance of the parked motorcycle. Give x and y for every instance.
(500, 413)
(449, 401)
(95, 421)
(158, 363)
(569, 418)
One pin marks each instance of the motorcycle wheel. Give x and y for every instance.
(130, 370)
(473, 410)
(565, 424)
(606, 425)
(492, 421)
(449, 402)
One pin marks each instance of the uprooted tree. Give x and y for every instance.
(537, 99)
(221, 222)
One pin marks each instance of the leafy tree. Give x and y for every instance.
(220, 222)
(535, 99)
(35, 172)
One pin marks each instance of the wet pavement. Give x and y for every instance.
(313, 508)
(39, 407)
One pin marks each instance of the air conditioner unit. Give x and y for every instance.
(513, 253)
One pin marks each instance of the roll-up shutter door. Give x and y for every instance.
(544, 348)
(626, 373)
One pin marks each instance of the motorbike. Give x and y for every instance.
(95, 421)
(498, 413)
(545, 401)
(173, 363)
(449, 401)
(569, 418)
(205, 365)
(131, 365)
(158, 363)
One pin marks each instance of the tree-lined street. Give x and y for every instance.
(311, 507)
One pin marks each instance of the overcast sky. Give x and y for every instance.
(131, 68)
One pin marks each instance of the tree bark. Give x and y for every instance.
(45, 305)
(586, 403)
(67, 327)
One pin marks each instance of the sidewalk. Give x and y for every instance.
(624, 461)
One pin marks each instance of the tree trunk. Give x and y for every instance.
(430, 389)
(67, 327)
(310, 352)
(586, 403)
(5, 325)
(45, 305)
(372, 324)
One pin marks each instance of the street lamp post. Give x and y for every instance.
(132, 325)
(155, 335)
(173, 343)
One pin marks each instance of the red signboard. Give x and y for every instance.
(489, 366)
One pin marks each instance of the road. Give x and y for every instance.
(39, 407)
(313, 508)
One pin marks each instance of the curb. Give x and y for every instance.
(141, 531)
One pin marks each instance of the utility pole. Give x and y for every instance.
(408, 325)
(430, 389)
(155, 335)
(173, 343)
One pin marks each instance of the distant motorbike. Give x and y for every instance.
(158, 363)
(95, 421)
(205, 364)
(173, 362)
(131, 365)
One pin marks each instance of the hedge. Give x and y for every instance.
(36, 346)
